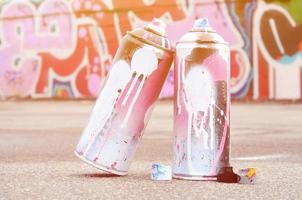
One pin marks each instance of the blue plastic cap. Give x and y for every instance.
(202, 23)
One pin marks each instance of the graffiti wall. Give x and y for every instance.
(64, 48)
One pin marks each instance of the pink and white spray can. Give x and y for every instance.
(201, 104)
(124, 105)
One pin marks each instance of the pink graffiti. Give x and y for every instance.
(23, 33)
(221, 22)
(85, 59)
(218, 18)
(40, 55)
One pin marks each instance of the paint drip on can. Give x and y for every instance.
(125, 103)
(201, 104)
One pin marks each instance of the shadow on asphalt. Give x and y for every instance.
(94, 175)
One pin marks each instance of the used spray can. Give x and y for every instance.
(201, 104)
(124, 105)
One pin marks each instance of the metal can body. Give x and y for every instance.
(201, 106)
(125, 103)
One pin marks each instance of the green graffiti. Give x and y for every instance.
(294, 7)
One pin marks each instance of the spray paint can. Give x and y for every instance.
(201, 104)
(124, 105)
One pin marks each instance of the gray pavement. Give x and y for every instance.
(37, 139)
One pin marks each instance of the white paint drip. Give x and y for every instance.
(129, 90)
(205, 139)
(212, 141)
(197, 130)
(140, 87)
(178, 106)
(198, 87)
(189, 142)
(118, 78)
(180, 73)
(143, 63)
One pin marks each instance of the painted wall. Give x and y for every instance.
(61, 48)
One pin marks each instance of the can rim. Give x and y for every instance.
(150, 29)
(198, 41)
(203, 30)
(203, 42)
(149, 42)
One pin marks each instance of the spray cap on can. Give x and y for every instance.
(153, 33)
(157, 26)
(201, 23)
(202, 32)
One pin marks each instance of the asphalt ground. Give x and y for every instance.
(37, 140)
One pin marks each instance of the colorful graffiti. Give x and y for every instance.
(64, 48)
(277, 54)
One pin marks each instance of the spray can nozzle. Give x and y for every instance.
(202, 24)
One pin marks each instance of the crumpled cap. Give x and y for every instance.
(161, 172)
